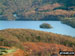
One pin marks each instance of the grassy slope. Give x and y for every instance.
(34, 42)
(27, 35)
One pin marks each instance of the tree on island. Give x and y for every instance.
(46, 25)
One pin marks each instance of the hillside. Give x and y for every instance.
(36, 10)
(36, 49)
(26, 40)
(69, 21)
(45, 49)
(27, 35)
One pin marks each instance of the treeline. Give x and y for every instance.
(35, 10)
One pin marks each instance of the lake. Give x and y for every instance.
(58, 27)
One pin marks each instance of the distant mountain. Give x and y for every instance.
(36, 9)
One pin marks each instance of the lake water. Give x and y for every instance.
(58, 27)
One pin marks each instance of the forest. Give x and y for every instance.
(36, 10)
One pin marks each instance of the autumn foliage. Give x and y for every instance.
(36, 43)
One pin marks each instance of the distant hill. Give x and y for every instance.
(36, 9)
